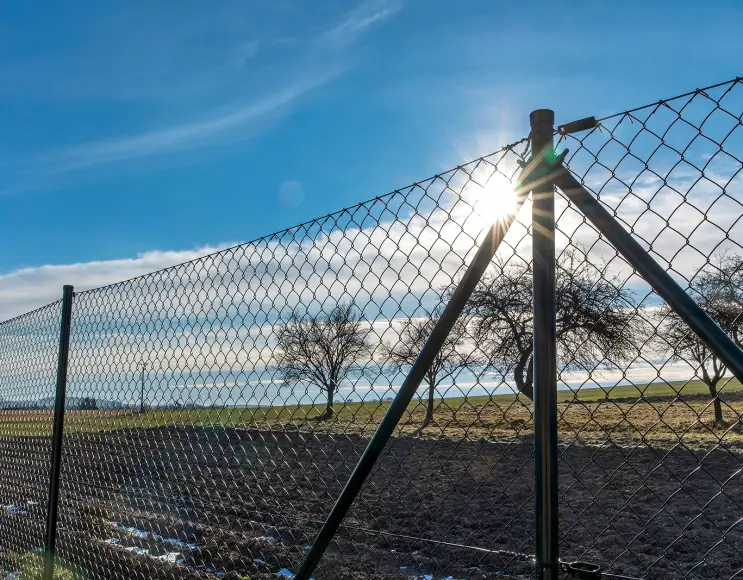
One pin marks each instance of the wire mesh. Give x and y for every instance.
(651, 461)
(221, 405)
(216, 408)
(28, 365)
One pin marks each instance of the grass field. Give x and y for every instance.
(667, 413)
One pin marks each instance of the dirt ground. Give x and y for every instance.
(250, 502)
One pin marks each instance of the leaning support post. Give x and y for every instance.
(545, 353)
(441, 330)
(50, 540)
(663, 284)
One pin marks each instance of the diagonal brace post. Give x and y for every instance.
(664, 285)
(532, 175)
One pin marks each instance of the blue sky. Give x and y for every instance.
(147, 132)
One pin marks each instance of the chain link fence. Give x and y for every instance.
(28, 366)
(650, 471)
(216, 409)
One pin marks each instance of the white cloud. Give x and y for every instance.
(29, 288)
(392, 258)
(215, 316)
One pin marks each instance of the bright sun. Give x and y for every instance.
(496, 202)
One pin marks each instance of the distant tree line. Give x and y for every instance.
(73, 403)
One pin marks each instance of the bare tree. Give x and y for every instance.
(718, 289)
(596, 318)
(453, 356)
(321, 349)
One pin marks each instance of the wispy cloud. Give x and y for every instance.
(245, 52)
(262, 88)
(224, 124)
(236, 123)
(360, 19)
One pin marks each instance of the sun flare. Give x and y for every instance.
(496, 203)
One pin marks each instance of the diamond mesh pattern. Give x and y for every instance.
(650, 481)
(216, 408)
(28, 368)
(211, 442)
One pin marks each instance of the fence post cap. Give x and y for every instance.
(542, 116)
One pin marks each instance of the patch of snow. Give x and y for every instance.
(14, 510)
(172, 557)
(136, 532)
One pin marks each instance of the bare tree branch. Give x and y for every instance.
(454, 355)
(597, 320)
(718, 289)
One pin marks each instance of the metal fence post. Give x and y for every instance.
(50, 541)
(545, 354)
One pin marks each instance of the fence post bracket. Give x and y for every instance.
(578, 126)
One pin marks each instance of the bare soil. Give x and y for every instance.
(252, 501)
